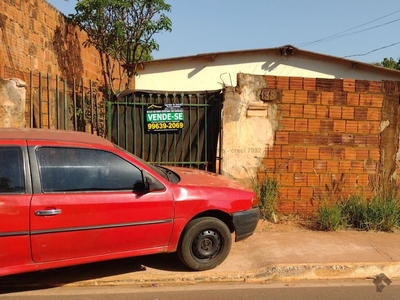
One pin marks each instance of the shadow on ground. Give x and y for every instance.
(58, 277)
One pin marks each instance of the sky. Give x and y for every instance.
(362, 30)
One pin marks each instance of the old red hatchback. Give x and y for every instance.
(70, 198)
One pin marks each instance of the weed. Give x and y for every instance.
(267, 192)
(354, 210)
(329, 217)
(380, 213)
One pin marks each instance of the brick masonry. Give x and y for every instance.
(35, 36)
(328, 143)
(39, 46)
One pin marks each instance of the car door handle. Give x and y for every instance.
(47, 212)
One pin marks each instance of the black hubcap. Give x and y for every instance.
(206, 244)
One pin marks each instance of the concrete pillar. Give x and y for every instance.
(249, 126)
(12, 103)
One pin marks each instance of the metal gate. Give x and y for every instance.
(53, 103)
(195, 145)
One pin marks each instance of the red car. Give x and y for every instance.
(69, 198)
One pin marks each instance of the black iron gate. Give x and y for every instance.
(195, 145)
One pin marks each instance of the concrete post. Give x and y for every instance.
(12, 103)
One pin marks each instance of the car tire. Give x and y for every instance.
(204, 244)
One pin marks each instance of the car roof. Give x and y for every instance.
(52, 135)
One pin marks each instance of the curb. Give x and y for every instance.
(271, 273)
(329, 271)
(280, 272)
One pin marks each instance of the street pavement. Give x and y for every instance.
(269, 254)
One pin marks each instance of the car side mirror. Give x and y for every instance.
(141, 186)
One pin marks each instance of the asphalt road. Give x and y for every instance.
(329, 290)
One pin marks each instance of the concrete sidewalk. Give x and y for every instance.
(267, 255)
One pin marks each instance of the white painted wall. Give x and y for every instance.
(206, 74)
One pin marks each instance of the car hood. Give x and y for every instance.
(194, 177)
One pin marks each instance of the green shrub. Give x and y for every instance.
(381, 213)
(353, 211)
(329, 217)
(267, 192)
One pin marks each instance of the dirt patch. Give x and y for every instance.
(294, 223)
(285, 224)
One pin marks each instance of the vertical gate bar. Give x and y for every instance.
(97, 114)
(126, 122)
(168, 134)
(65, 105)
(91, 105)
(142, 130)
(83, 105)
(31, 99)
(158, 145)
(57, 102)
(118, 127)
(198, 131)
(165, 152)
(175, 134)
(151, 134)
(40, 100)
(205, 135)
(74, 105)
(109, 120)
(220, 135)
(158, 137)
(133, 118)
(48, 103)
(182, 139)
(190, 129)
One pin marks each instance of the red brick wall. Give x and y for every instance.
(34, 36)
(327, 144)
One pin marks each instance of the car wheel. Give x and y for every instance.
(205, 243)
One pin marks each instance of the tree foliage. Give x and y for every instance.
(389, 63)
(122, 32)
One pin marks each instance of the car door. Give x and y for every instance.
(15, 195)
(86, 206)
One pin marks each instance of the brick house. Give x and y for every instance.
(212, 71)
(320, 124)
(330, 130)
(321, 138)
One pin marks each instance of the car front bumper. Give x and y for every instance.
(245, 223)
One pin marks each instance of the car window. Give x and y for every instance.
(78, 169)
(11, 170)
(150, 166)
